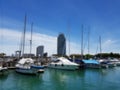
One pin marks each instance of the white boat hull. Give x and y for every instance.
(29, 70)
(26, 66)
(26, 71)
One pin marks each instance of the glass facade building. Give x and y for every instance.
(61, 45)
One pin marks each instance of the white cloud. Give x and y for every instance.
(110, 45)
(11, 42)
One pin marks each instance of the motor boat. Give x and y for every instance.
(27, 66)
(62, 63)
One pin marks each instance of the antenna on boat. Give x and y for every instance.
(31, 38)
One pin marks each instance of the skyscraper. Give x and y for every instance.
(61, 45)
(40, 51)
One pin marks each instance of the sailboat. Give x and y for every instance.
(105, 63)
(26, 65)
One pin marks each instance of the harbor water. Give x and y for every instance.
(51, 79)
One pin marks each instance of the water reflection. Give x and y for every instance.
(16, 81)
(52, 79)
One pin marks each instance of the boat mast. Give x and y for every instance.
(31, 38)
(69, 37)
(89, 41)
(100, 47)
(21, 43)
(24, 35)
(82, 43)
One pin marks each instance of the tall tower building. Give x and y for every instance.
(40, 51)
(61, 45)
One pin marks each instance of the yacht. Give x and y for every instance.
(115, 61)
(62, 63)
(27, 66)
(106, 63)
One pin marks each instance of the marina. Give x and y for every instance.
(59, 45)
(57, 77)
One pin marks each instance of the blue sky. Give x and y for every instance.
(50, 17)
